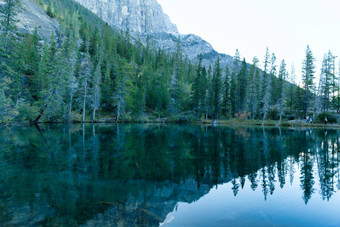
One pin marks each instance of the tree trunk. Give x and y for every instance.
(280, 120)
(84, 102)
(94, 115)
(70, 109)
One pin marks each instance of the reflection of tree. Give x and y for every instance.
(264, 182)
(326, 165)
(140, 172)
(235, 187)
(306, 178)
(253, 180)
(338, 161)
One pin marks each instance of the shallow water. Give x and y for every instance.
(151, 175)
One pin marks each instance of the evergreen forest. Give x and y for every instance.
(90, 72)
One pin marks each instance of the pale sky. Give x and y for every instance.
(284, 26)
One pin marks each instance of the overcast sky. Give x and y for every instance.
(284, 26)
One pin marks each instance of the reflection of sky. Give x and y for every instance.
(284, 208)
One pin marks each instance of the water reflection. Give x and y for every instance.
(134, 175)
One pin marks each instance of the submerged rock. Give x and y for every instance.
(215, 122)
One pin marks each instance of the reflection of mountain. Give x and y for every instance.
(135, 175)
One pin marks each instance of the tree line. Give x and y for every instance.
(89, 71)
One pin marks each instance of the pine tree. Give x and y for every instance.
(242, 82)
(253, 93)
(308, 79)
(282, 88)
(298, 101)
(71, 54)
(97, 78)
(267, 96)
(209, 94)
(226, 94)
(139, 95)
(263, 85)
(175, 82)
(123, 91)
(50, 79)
(234, 83)
(327, 81)
(8, 13)
(49, 10)
(85, 73)
(338, 92)
(291, 89)
(217, 89)
(197, 89)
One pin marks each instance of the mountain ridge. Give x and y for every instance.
(146, 19)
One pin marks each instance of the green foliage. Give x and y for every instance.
(308, 79)
(242, 79)
(27, 112)
(199, 89)
(217, 89)
(90, 68)
(332, 118)
(227, 94)
(8, 12)
(274, 114)
(49, 10)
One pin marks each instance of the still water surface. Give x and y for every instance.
(152, 175)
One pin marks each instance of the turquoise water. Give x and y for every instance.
(168, 175)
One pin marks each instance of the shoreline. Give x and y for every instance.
(231, 123)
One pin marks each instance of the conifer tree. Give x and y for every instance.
(49, 10)
(217, 88)
(266, 100)
(308, 79)
(253, 93)
(50, 79)
(234, 83)
(197, 88)
(327, 81)
(8, 13)
(139, 95)
(97, 78)
(210, 94)
(282, 88)
(123, 90)
(226, 94)
(85, 73)
(264, 81)
(298, 101)
(291, 89)
(175, 82)
(242, 82)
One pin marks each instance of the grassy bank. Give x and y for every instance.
(232, 122)
(294, 123)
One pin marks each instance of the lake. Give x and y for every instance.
(168, 175)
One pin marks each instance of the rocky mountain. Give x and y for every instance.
(32, 16)
(139, 16)
(145, 18)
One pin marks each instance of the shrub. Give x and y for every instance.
(26, 112)
(242, 116)
(330, 117)
(273, 114)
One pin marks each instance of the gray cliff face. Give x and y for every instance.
(146, 18)
(192, 46)
(31, 17)
(139, 16)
